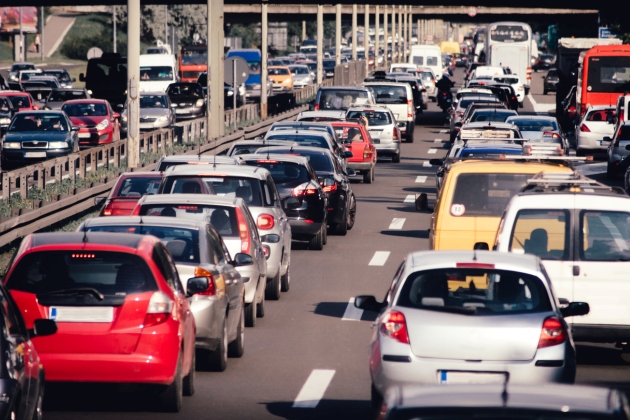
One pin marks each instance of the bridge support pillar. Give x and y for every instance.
(133, 78)
(386, 44)
(338, 34)
(366, 39)
(354, 32)
(320, 44)
(263, 63)
(303, 30)
(401, 41)
(215, 69)
(404, 34)
(377, 30)
(394, 43)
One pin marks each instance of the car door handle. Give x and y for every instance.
(576, 270)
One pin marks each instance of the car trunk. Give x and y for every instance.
(357, 149)
(121, 206)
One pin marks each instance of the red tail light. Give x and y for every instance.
(107, 211)
(212, 288)
(243, 231)
(397, 135)
(304, 190)
(265, 221)
(330, 188)
(409, 108)
(316, 107)
(395, 326)
(584, 128)
(552, 334)
(159, 310)
(367, 153)
(551, 134)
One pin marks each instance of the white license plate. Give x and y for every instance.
(447, 377)
(81, 313)
(34, 154)
(85, 135)
(181, 111)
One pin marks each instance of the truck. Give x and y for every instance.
(106, 78)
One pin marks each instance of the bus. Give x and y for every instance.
(509, 44)
(193, 61)
(603, 76)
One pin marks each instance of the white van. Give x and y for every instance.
(427, 56)
(157, 71)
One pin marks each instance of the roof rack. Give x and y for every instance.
(550, 158)
(572, 182)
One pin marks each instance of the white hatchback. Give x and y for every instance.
(591, 130)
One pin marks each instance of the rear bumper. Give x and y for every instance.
(387, 149)
(601, 333)
(361, 166)
(301, 229)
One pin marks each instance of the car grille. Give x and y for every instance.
(35, 145)
(184, 105)
(191, 74)
(147, 119)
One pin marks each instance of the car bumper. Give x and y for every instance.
(94, 138)
(18, 156)
(191, 112)
(591, 141)
(301, 229)
(361, 166)
(387, 149)
(601, 333)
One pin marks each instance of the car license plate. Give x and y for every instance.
(84, 135)
(34, 154)
(81, 313)
(447, 377)
(181, 111)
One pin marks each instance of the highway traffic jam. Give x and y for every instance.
(235, 285)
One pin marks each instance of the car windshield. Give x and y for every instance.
(320, 162)
(153, 101)
(108, 273)
(340, 98)
(222, 218)
(299, 70)
(137, 186)
(474, 291)
(303, 139)
(38, 122)
(284, 174)
(66, 95)
(535, 125)
(375, 118)
(390, 94)
(196, 56)
(490, 116)
(479, 194)
(182, 243)
(278, 72)
(185, 90)
(508, 80)
(228, 186)
(62, 76)
(19, 101)
(85, 110)
(156, 73)
(18, 67)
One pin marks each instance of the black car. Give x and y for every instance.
(303, 198)
(187, 99)
(62, 76)
(342, 206)
(329, 67)
(543, 61)
(510, 94)
(228, 92)
(40, 86)
(58, 97)
(6, 113)
(35, 136)
(551, 81)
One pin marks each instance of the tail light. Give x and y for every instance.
(265, 221)
(243, 231)
(553, 333)
(397, 135)
(367, 153)
(109, 207)
(551, 134)
(316, 107)
(330, 188)
(584, 128)
(304, 190)
(212, 288)
(409, 108)
(395, 326)
(160, 308)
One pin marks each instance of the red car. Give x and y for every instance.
(97, 122)
(129, 188)
(21, 100)
(120, 308)
(357, 140)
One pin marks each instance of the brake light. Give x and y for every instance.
(266, 161)
(160, 308)
(367, 153)
(397, 135)
(395, 326)
(551, 134)
(107, 211)
(304, 190)
(212, 288)
(552, 334)
(265, 221)
(409, 108)
(330, 188)
(316, 107)
(474, 265)
(243, 231)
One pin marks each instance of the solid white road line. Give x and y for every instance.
(397, 223)
(427, 164)
(379, 258)
(421, 179)
(314, 388)
(352, 313)
(411, 198)
(432, 151)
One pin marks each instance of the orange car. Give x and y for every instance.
(281, 77)
(357, 140)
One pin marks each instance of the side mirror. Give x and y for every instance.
(436, 162)
(368, 303)
(116, 115)
(43, 327)
(241, 260)
(82, 77)
(74, 79)
(481, 246)
(628, 147)
(74, 128)
(351, 172)
(173, 105)
(348, 155)
(291, 203)
(575, 309)
(458, 124)
(197, 285)
(99, 201)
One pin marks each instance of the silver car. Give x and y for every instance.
(383, 128)
(301, 75)
(155, 112)
(470, 317)
(198, 251)
(256, 187)
(58, 97)
(232, 219)
(166, 162)
(541, 129)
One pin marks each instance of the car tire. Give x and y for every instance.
(376, 401)
(285, 280)
(317, 242)
(521, 104)
(610, 171)
(367, 176)
(39, 404)
(217, 359)
(188, 383)
(410, 138)
(396, 158)
(260, 308)
(272, 289)
(342, 228)
(237, 347)
(580, 152)
(324, 235)
(250, 314)
(544, 91)
(352, 214)
(171, 395)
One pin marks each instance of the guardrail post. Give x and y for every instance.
(366, 37)
(215, 68)
(23, 186)
(377, 31)
(404, 34)
(400, 32)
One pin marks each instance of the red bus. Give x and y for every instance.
(193, 61)
(603, 76)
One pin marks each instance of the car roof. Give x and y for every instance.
(488, 125)
(420, 260)
(317, 133)
(532, 166)
(568, 183)
(532, 118)
(156, 93)
(140, 174)
(386, 83)
(600, 107)
(175, 222)
(324, 113)
(301, 160)
(472, 145)
(63, 89)
(76, 238)
(357, 88)
(85, 101)
(229, 170)
(194, 159)
(363, 107)
(191, 199)
(306, 149)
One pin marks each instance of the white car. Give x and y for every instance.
(398, 97)
(591, 130)
(516, 83)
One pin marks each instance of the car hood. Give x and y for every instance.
(37, 135)
(301, 77)
(87, 120)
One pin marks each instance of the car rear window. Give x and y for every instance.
(278, 72)
(222, 218)
(485, 194)
(349, 134)
(375, 118)
(320, 162)
(535, 125)
(137, 186)
(186, 185)
(474, 291)
(302, 139)
(245, 149)
(229, 186)
(109, 273)
(66, 95)
(600, 115)
(284, 174)
(340, 98)
(486, 116)
(390, 94)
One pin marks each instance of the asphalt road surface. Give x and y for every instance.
(308, 358)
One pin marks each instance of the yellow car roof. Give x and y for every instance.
(508, 166)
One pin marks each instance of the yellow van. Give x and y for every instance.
(450, 47)
(473, 197)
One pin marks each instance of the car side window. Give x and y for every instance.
(216, 247)
(252, 225)
(275, 197)
(13, 321)
(395, 280)
(166, 267)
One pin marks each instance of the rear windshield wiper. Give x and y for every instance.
(78, 291)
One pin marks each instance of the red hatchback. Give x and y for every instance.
(129, 188)
(121, 311)
(357, 140)
(97, 122)
(21, 100)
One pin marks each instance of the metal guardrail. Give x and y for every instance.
(352, 73)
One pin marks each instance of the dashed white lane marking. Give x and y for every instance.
(438, 141)
(443, 131)
(314, 388)
(410, 199)
(379, 258)
(427, 164)
(421, 179)
(432, 151)
(352, 313)
(397, 223)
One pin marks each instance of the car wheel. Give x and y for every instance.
(325, 234)
(410, 138)
(217, 359)
(376, 401)
(188, 384)
(272, 289)
(396, 158)
(237, 347)
(38, 413)
(317, 242)
(260, 308)
(367, 176)
(250, 314)
(342, 228)
(544, 91)
(171, 396)
(521, 104)
(285, 280)
(580, 152)
(610, 171)
(352, 214)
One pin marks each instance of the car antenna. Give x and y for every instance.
(85, 238)
(504, 393)
(474, 254)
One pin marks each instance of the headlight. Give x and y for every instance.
(103, 124)
(230, 93)
(5, 121)
(90, 92)
(13, 77)
(287, 82)
(199, 103)
(12, 145)
(163, 118)
(58, 145)
(124, 118)
(256, 86)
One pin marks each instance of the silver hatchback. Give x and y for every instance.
(383, 128)
(470, 317)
